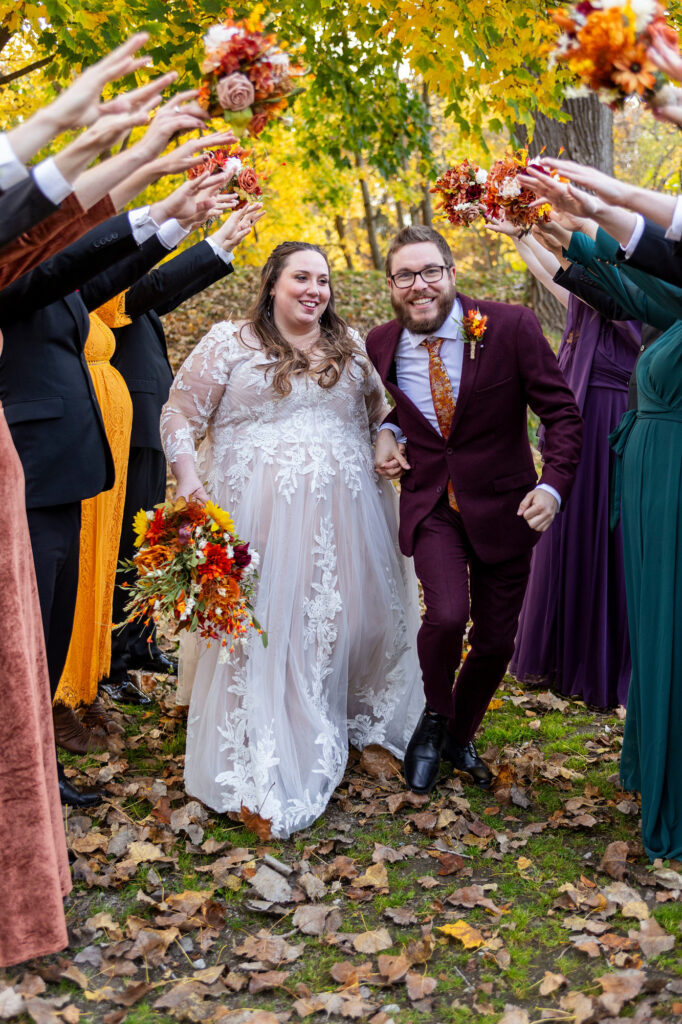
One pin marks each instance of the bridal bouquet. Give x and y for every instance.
(242, 178)
(506, 197)
(193, 572)
(461, 190)
(248, 79)
(604, 43)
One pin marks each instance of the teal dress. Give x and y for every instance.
(649, 478)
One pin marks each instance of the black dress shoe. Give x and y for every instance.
(78, 797)
(154, 661)
(466, 759)
(422, 757)
(124, 691)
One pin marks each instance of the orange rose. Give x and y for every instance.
(248, 182)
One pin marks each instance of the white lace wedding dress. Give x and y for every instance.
(270, 728)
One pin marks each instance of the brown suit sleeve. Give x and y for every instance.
(50, 236)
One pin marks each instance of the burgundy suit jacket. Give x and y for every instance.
(486, 455)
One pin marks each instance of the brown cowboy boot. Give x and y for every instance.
(98, 718)
(71, 735)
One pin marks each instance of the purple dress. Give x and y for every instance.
(572, 631)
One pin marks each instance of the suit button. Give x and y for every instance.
(448, 451)
(438, 489)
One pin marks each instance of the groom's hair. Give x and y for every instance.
(418, 233)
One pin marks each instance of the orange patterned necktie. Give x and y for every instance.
(443, 397)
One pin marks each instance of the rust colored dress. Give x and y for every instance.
(34, 870)
(89, 654)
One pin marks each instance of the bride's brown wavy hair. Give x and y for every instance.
(336, 344)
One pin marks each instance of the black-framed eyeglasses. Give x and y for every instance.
(429, 275)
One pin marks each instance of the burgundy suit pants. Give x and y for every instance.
(458, 587)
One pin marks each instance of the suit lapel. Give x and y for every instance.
(469, 368)
(80, 315)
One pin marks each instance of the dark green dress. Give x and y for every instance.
(650, 445)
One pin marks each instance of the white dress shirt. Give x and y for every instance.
(412, 371)
(46, 174)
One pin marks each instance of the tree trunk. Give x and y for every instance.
(588, 139)
(399, 215)
(370, 225)
(426, 206)
(343, 241)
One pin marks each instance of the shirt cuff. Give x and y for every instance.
(395, 430)
(226, 257)
(12, 170)
(51, 181)
(674, 232)
(550, 490)
(635, 237)
(142, 225)
(171, 233)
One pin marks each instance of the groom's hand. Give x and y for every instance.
(389, 456)
(539, 508)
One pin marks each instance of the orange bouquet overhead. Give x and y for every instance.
(605, 42)
(249, 79)
(194, 572)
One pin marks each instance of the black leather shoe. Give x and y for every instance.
(124, 691)
(422, 757)
(78, 797)
(155, 661)
(466, 759)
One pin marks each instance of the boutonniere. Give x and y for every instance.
(475, 325)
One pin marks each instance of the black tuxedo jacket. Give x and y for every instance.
(141, 355)
(657, 255)
(21, 206)
(45, 385)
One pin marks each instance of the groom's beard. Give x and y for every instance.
(403, 309)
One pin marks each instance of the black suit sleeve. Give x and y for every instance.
(123, 273)
(67, 271)
(21, 206)
(165, 288)
(576, 280)
(657, 255)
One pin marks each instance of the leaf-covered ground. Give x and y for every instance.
(530, 902)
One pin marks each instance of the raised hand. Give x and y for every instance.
(503, 227)
(237, 226)
(562, 196)
(667, 58)
(193, 201)
(182, 157)
(552, 236)
(603, 185)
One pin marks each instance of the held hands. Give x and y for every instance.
(538, 508)
(389, 456)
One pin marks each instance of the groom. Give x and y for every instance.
(471, 507)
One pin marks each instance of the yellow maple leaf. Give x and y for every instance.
(470, 937)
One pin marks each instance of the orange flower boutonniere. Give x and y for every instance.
(475, 325)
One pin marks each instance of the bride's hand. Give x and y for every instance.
(190, 489)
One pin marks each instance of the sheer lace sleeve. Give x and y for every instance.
(198, 389)
(375, 396)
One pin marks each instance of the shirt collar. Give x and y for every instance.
(449, 330)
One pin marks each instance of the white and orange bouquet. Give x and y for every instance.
(605, 42)
(249, 79)
(506, 197)
(461, 190)
(194, 572)
(242, 177)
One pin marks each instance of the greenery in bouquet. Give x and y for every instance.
(249, 79)
(242, 177)
(461, 191)
(604, 44)
(506, 197)
(194, 572)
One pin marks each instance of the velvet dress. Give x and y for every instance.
(572, 631)
(34, 870)
(649, 443)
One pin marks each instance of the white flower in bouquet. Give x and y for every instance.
(232, 167)
(510, 188)
(280, 64)
(481, 176)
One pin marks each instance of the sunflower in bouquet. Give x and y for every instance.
(605, 42)
(461, 191)
(249, 79)
(506, 197)
(242, 177)
(194, 572)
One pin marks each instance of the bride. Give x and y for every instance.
(286, 403)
